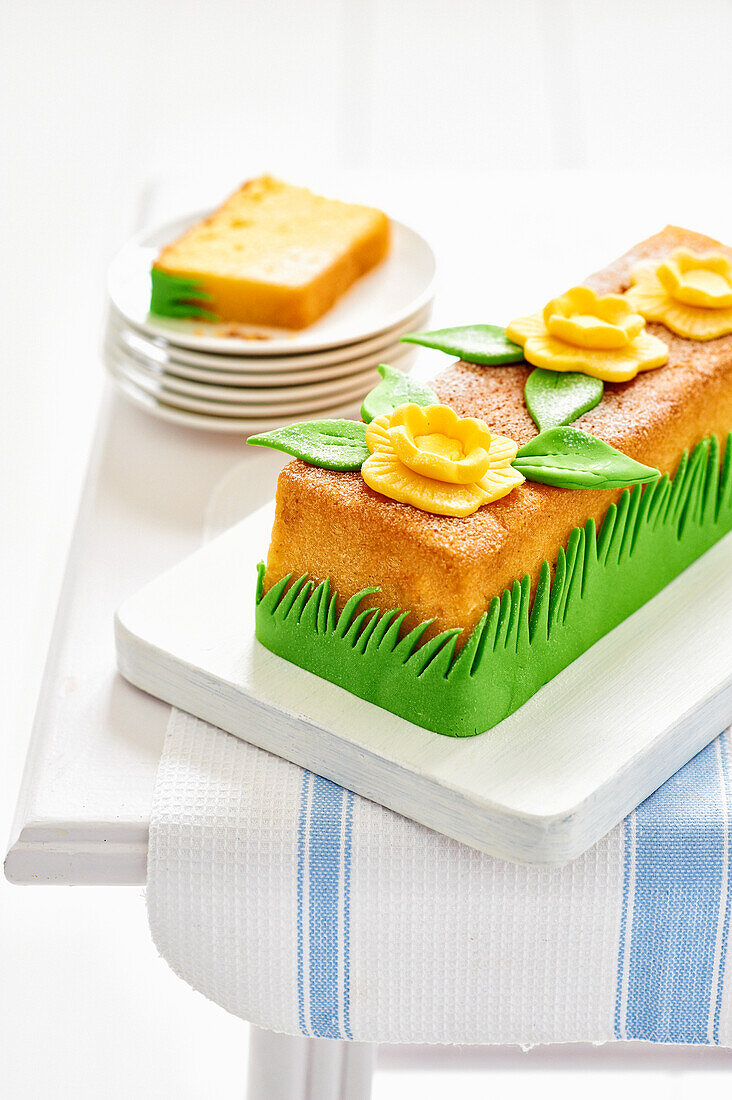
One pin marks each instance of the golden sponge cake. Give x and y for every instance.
(330, 524)
(277, 255)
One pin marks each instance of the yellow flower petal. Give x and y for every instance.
(651, 297)
(499, 483)
(377, 437)
(695, 323)
(647, 296)
(501, 452)
(524, 327)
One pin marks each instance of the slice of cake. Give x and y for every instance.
(527, 581)
(272, 254)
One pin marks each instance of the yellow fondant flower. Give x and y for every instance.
(436, 461)
(689, 292)
(593, 334)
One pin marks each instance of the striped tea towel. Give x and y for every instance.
(306, 909)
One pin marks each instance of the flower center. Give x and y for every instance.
(586, 331)
(440, 445)
(585, 319)
(701, 281)
(436, 443)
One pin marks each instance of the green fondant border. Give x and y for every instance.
(647, 539)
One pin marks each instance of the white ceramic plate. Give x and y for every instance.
(157, 348)
(397, 289)
(243, 425)
(256, 395)
(156, 359)
(304, 406)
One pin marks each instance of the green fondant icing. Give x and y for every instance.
(174, 296)
(487, 345)
(396, 389)
(331, 444)
(520, 644)
(556, 397)
(571, 459)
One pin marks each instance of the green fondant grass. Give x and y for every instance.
(174, 296)
(647, 539)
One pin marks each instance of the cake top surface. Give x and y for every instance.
(271, 232)
(623, 418)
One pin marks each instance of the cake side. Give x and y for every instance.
(277, 255)
(521, 643)
(331, 525)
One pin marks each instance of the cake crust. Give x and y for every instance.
(332, 525)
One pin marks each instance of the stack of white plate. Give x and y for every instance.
(248, 379)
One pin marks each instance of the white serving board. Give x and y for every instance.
(541, 787)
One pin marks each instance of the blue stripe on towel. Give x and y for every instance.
(306, 780)
(347, 918)
(676, 908)
(628, 842)
(323, 908)
(727, 793)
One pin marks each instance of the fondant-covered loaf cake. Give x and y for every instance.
(522, 582)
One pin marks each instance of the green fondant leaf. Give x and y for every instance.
(519, 644)
(487, 345)
(332, 444)
(396, 389)
(572, 459)
(554, 398)
(174, 296)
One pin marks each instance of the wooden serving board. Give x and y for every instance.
(541, 787)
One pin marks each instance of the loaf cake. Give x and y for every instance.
(272, 254)
(453, 576)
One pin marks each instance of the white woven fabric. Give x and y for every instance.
(306, 909)
(442, 945)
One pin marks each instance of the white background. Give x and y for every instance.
(96, 100)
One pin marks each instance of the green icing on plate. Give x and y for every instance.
(571, 459)
(486, 345)
(396, 389)
(174, 296)
(331, 444)
(555, 397)
(520, 643)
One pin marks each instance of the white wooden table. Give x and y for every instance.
(84, 807)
